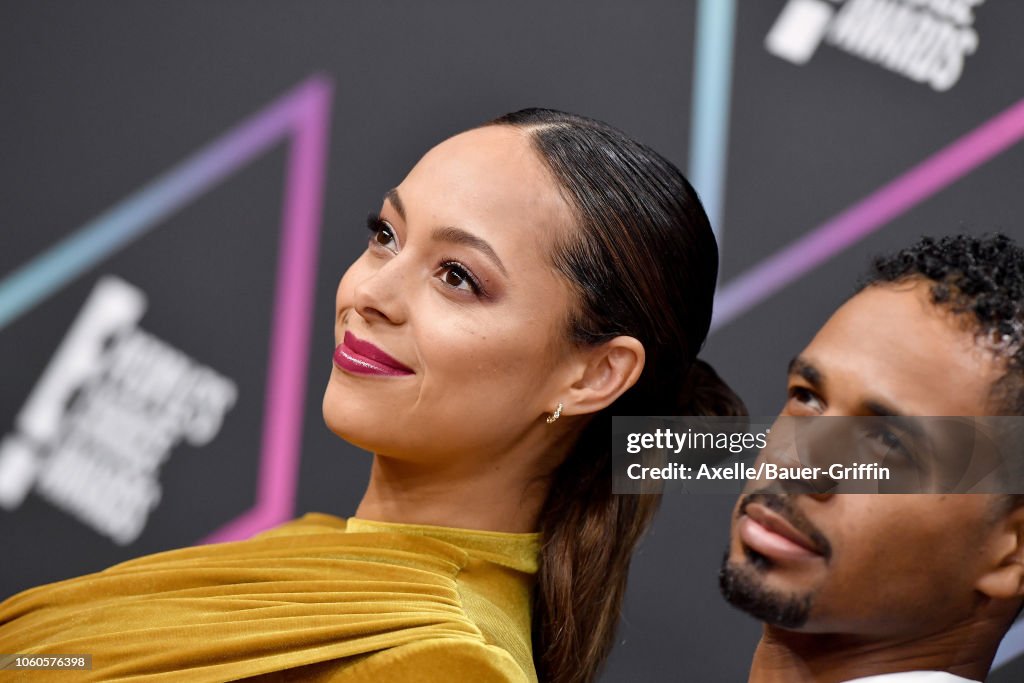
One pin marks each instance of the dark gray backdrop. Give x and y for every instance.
(98, 98)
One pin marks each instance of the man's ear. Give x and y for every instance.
(1004, 579)
(604, 373)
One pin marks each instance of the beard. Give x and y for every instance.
(743, 587)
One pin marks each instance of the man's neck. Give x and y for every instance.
(785, 656)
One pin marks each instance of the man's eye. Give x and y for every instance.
(805, 396)
(889, 440)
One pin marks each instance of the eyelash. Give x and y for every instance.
(802, 394)
(463, 273)
(890, 440)
(375, 224)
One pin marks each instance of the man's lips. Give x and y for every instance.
(358, 355)
(769, 533)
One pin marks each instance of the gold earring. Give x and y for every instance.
(555, 415)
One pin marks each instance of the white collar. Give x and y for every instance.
(914, 677)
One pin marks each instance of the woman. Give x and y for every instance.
(527, 280)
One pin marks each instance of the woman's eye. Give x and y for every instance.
(381, 234)
(456, 276)
(384, 237)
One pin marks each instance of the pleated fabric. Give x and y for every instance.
(318, 599)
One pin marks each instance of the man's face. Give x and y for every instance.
(878, 565)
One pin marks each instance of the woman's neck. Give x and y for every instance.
(499, 493)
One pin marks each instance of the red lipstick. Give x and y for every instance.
(361, 357)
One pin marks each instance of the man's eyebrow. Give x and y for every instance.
(396, 201)
(802, 367)
(909, 424)
(879, 409)
(460, 236)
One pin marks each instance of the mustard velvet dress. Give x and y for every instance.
(317, 599)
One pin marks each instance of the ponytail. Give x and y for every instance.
(589, 535)
(706, 394)
(588, 538)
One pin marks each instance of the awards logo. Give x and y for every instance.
(927, 41)
(107, 411)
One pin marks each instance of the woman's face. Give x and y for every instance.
(457, 288)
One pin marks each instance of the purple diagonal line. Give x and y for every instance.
(303, 114)
(308, 119)
(868, 215)
(142, 211)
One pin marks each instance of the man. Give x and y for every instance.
(895, 588)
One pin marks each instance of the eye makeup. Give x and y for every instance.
(379, 227)
(453, 266)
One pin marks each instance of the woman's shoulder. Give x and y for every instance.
(433, 660)
(295, 595)
(440, 660)
(315, 537)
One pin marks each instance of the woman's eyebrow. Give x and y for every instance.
(459, 236)
(396, 201)
(450, 234)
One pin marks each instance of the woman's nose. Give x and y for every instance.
(381, 295)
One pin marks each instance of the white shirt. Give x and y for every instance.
(914, 677)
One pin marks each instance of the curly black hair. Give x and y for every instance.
(979, 276)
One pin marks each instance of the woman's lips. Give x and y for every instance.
(770, 534)
(362, 357)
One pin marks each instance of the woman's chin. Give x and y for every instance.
(355, 437)
(343, 419)
(338, 413)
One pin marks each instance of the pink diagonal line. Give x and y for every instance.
(868, 215)
(293, 302)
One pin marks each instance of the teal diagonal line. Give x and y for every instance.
(30, 284)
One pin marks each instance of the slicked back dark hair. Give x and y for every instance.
(643, 261)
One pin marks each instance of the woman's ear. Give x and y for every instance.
(1004, 579)
(603, 373)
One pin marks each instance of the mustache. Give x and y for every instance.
(783, 505)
